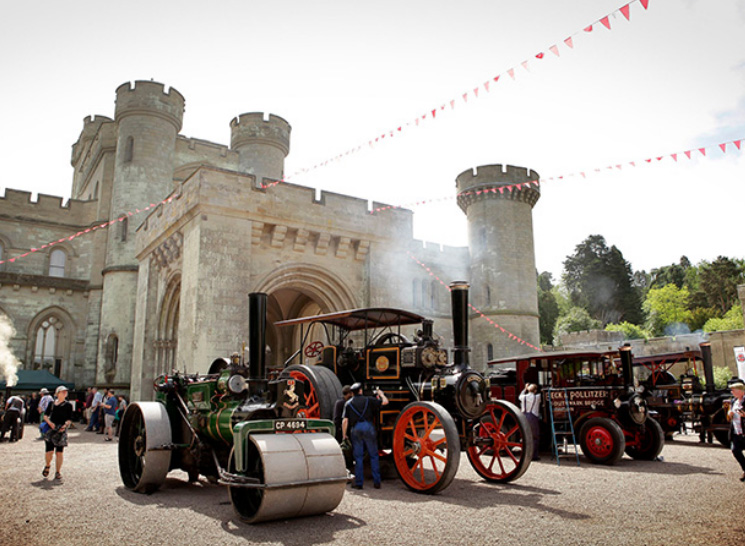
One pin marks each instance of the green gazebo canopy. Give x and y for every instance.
(33, 380)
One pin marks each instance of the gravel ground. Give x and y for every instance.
(692, 497)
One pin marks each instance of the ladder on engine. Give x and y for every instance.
(562, 428)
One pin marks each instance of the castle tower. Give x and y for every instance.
(149, 119)
(262, 144)
(499, 206)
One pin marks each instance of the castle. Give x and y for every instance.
(164, 236)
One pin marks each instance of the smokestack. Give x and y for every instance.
(459, 309)
(626, 365)
(708, 366)
(257, 335)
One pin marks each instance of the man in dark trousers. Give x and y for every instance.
(13, 413)
(346, 393)
(358, 423)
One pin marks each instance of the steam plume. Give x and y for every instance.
(8, 362)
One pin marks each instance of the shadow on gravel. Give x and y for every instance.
(483, 495)
(654, 467)
(47, 485)
(212, 501)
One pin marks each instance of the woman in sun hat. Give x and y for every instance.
(58, 416)
(737, 416)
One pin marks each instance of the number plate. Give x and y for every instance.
(290, 425)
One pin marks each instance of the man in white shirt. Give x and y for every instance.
(46, 399)
(737, 430)
(94, 423)
(530, 402)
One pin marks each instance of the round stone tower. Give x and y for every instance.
(498, 202)
(148, 121)
(262, 144)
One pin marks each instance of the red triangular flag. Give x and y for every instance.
(452, 104)
(688, 154)
(569, 43)
(525, 64)
(723, 146)
(496, 78)
(644, 3)
(476, 91)
(702, 150)
(605, 22)
(555, 50)
(625, 11)
(660, 158)
(511, 72)
(674, 156)
(465, 97)
(486, 86)
(632, 163)
(539, 56)
(588, 29)
(737, 143)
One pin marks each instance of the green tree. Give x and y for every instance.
(670, 274)
(548, 307)
(666, 308)
(576, 320)
(630, 331)
(599, 280)
(718, 284)
(732, 320)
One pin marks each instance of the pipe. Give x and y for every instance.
(626, 362)
(257, 335)
(459, 309)
(708, 366)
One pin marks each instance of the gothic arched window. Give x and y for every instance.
(45, 347)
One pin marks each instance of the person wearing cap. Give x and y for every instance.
(46, 399)
(59, 417)
(358, 423)
(737, 428)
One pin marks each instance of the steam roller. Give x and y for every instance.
(239, 429)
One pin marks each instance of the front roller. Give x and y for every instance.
(144, 437)
(280, 476)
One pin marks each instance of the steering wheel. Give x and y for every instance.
(313, 349)
(390, 338)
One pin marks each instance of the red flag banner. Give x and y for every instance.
(625, 10)
(605, 22)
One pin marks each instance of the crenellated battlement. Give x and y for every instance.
(496, 182)
(258, 128)
(148, 98)
(91, 126)
(47, 208)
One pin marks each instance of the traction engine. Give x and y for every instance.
(238, 429)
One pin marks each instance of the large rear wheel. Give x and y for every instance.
(602, 440)
(321, 390)
(501, 446)
(426, 447)
(145, 426)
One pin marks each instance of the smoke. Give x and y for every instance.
(8, 362)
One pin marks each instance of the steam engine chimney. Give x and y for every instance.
(459, 305)
(257, 335)
(708, 366)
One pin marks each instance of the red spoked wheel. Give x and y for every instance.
(314, 349)
(501, 445)
(426, 447)
(647, 442)
(321, 390)
(602, 440)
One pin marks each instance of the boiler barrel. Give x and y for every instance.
(303, 474)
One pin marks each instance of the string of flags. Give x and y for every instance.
(474, 93)
(496, 325)
(732, 145)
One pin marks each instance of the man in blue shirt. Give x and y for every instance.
(359, 419)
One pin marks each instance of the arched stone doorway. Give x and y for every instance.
(299, 291)
(166, 341)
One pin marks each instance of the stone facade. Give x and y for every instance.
(141, 293)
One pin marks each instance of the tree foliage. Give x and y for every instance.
(732, 320)
(548, 307)
(599, 280)
(576, 320)
(667, 308)
(718, 284)
(630, 331)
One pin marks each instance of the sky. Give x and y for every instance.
(670, 80)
